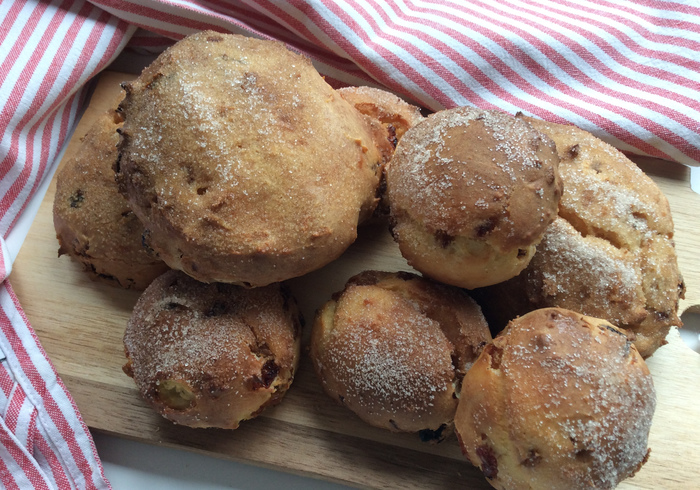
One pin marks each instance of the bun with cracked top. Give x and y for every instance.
(557, 400)
(610, 253)
(212, 355)
(393, 347)
(245, 166)
(471, 193)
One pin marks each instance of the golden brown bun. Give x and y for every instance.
(610, 254)
(212, 355)
(93, 221)
(471, 192)
(394, 113)
(558, 400)
(393, 347)
(244, 164)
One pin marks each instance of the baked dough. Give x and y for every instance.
(394, 113)
(245, 166)
(94, 223)
(471, 193)
(393, 348)
(559, 400)
(212, 355)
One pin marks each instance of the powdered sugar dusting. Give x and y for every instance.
(585, 274)
(398, 370)
(620, 223)
(185, 330)
(456, 157)
(580, 395)
(386, 358)
(235, 149)
(183, 344)
(625, 212)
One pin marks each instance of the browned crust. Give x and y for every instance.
(611, 253)
(471, 192)
(394, 113)
(393, 347)
(558, 400)
(243, 163)
(93, 221)
(231, 351)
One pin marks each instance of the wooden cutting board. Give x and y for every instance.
(80, 324)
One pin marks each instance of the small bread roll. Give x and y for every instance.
(212, 355)
(393, 348)
(394, 113)
(608, 198)
(471, 192)
(243, 163)
(558, 400)
(94, 223)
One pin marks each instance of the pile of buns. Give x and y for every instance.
(231, 166)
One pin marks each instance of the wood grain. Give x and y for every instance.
(80, 324)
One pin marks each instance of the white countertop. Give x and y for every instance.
(133, 465)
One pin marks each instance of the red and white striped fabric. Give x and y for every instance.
(627, 71)
(43, 442)
(48, 53)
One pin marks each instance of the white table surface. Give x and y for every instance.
(131, 465)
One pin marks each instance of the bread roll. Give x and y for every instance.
(471, 193)
(212, 355)
(558, 400)
(393, 348)
(610, 253)
(94, 223)
(245, 166)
